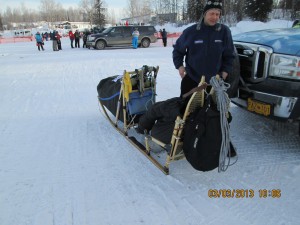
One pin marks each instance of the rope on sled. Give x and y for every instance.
(109, 98)
(223, 102)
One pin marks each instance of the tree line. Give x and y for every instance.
(237, 10)
(92, 11)
(95, 11)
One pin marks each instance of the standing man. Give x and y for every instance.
(71, 36)
(58, 37)
(54, 41)
(206, 48)
(135, 38)
(86, 33)
(164, 37)
(77, 39)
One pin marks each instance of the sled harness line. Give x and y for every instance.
(220, 87)
(109, 98)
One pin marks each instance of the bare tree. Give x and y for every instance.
(239, 9)
(74, 15)
(93, 11)
(146, 8)
(111, 17)
(134, 8)
(51, 11)
(86, 9)
(291, 5)
(171, 9)
(233, 11)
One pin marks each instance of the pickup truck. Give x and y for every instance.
(122, 36)
(269, 62)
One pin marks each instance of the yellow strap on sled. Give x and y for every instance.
(127, 85)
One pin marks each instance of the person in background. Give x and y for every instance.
(54, 41)
(135, 38)
(206, 48)
(77, 39)
(164, 37)
(58, 37)
(39, 41)
(46, 35)
(84, 38)
(296, 24)
(72, 37)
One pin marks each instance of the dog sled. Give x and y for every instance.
(127, 99)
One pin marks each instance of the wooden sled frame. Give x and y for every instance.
(174, 148)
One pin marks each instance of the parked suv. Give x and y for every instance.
(122, 36)
(270, 73)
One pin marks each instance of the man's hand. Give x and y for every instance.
(181, 71)
(224, 75)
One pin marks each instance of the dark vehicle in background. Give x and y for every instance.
(122, 36)
(270, 73)
(96, 30)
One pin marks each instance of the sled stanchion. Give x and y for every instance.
(118, 106)
(147, 143)
(174, 141)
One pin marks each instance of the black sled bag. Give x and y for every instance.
(108, 94)
(203, 137)
(160, 118)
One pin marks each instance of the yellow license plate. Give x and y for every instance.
(259, 107)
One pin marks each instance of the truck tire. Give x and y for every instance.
(145, 43)
(100, 45)
(234, 77)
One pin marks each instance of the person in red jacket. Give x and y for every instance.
(58, 37)
(72, 37)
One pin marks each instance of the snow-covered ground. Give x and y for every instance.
(61, 162)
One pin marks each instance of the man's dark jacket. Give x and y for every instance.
(207, 51)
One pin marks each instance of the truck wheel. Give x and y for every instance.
(234, 78)
(100, 45)
(145, 43)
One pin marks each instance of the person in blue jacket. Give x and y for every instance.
(135, 38)
(206, 49)
(39, 41)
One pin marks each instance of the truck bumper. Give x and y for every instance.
(281, 107)
(90, 44)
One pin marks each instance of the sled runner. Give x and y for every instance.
(126, 100)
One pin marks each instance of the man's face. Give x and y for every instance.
(212, 16)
